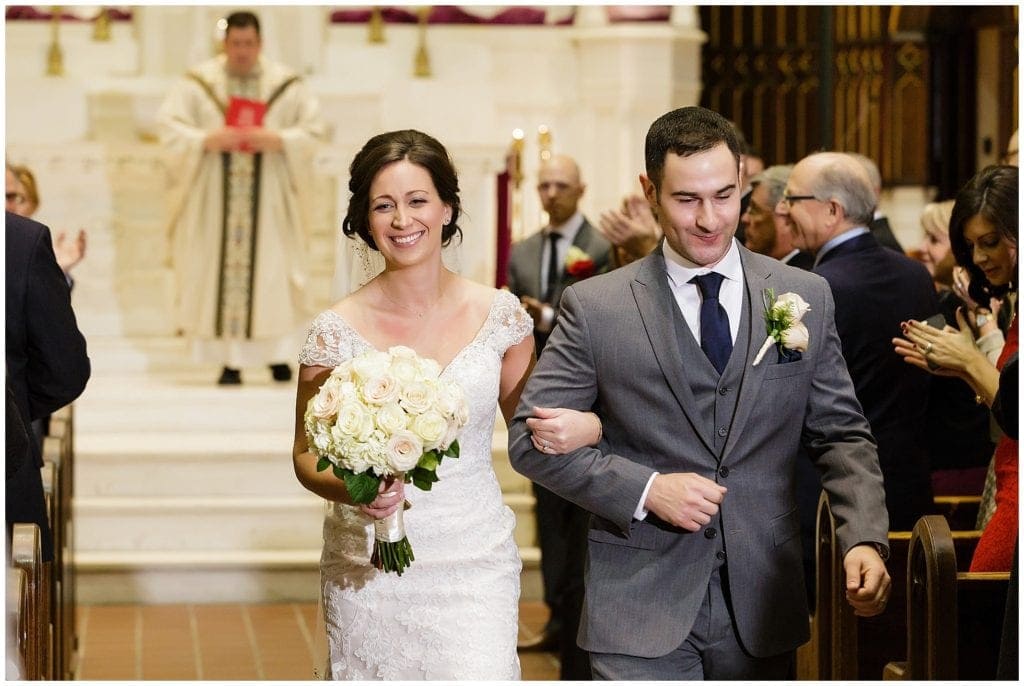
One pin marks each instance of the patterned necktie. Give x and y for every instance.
(715, 339)
(553, 274)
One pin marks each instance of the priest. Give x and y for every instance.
(240, 133)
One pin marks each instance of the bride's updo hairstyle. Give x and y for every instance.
(380, 151)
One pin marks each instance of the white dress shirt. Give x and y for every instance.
(567, 231)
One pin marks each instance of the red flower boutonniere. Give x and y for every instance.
(579, 264)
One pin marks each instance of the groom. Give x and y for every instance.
(694, 567)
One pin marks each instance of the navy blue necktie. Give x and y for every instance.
(715, 339)
(553, 275)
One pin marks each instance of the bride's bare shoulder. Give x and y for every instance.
(477, 295)
(351, 305)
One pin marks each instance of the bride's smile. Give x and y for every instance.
(405, 209)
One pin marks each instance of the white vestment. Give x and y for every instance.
(239, 245)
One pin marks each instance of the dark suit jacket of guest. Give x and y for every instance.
(47, 364)
(875, 289)
(802, 260)
(882, 232)
(622, 349)
(524, 267)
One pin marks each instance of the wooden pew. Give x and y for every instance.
(18, 609)
(26, 555)
(883, 638)
(59, 449)
(954, 618)
(61, 428)
(961, 511)
(52, 487)
(834, 626)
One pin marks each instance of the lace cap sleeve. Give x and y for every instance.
(325, 342)
(513, 323)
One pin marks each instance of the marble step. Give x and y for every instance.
(154, 577)
(229, 523)
(167, 463)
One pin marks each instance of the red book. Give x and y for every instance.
(242, 112)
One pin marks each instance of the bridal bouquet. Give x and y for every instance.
(385, 414)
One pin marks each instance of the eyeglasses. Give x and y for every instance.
(790, 199)
(14, 197)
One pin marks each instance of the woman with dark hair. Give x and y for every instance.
(983, 236)
(453, 614)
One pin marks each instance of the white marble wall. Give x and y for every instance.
(597, 87)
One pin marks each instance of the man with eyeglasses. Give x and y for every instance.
(766, 231)
(830, 201)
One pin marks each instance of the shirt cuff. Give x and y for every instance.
(640, 513)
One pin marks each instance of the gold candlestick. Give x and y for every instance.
(375, 33)
(55, 56)
(421, 69)
(101, 26)
(544, 142)
(515, 164)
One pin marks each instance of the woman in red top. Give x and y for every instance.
(983, 235)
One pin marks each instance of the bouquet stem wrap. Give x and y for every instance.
(392, 551)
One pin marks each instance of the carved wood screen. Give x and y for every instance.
(796, 79)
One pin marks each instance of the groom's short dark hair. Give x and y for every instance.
(686, 131)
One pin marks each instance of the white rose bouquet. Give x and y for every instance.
(384, 414)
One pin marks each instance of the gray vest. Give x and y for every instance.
(716, 396)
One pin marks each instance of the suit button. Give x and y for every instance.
(723, 390)
(710, 532)
(723, 472)
(722, 431)
(720, 554)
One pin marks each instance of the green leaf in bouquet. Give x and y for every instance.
(322, 464)
(362, 487)
(430, 460)
(424, 479)
(453, 449)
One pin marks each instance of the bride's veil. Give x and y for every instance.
(355, 264)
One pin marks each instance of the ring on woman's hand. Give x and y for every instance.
(928, 349)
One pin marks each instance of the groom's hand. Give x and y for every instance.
(686, 500)
(867, 580)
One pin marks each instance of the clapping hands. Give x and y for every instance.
(944, 352)
(69, 251)
(632, 229)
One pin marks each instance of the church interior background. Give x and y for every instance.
(184, 491)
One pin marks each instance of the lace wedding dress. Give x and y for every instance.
(453, 614)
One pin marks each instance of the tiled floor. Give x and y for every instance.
(227, 642)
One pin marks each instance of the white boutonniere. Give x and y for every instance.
(782, 316)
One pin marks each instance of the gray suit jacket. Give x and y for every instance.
(524, 262)
(615, 351)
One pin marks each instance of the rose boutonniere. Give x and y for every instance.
(578, 264)
(782, 316)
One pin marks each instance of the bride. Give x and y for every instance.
(454, 613)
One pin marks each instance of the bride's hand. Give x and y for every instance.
(390, 496)
(557, 430)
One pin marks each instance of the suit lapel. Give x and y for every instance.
(757, 276)
(657, 309)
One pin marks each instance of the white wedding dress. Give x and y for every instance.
(453, 614)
